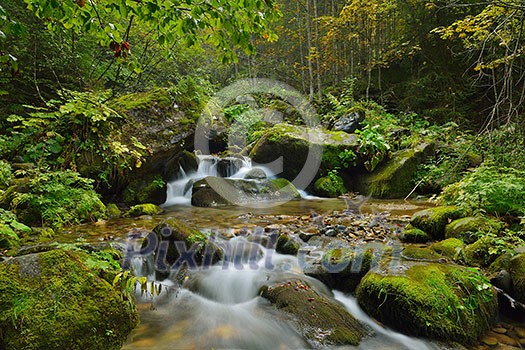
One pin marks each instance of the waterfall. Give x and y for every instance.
(179, 190)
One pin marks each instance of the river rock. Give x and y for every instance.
(440, 301)
(392, 178)
(295, 143)
(217, 192)
(434, 220)
(144, 209)
(451, 248)
(467, 228)
(348, 123)
(341, 268)
(255, 174)
(52, 300)
(517, 272)
(414, 235)
(318, 318)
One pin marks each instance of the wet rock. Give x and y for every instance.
(341, 268)
(439, 301)
(503, 338)
(112, 210)
(434, 220)
(348, 123)
(390, 180)
(490, 341)
(60, 304)
(287, 245)
(318, 318)
(217, 192)
(255, 174)
(503, 281)
(330, 186)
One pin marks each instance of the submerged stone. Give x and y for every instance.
(52, 300)
(321, 320)
(440, 301)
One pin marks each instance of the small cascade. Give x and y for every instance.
(179, 190)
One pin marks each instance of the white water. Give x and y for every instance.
(219, 307)
(179, 191)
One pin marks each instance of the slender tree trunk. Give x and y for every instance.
(317, 51)
(309, 42)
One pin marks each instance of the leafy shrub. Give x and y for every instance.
(246, 124)
(373, 146)
(6, 174)
(488, 189)
(59, 198)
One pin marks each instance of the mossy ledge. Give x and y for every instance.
(52, 300)
(439, 301)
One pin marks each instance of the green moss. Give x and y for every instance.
(434, 220)
(330, 186)
(113, 210)
(144, 209)
(517, 272)
(286, 245)
(451, 248)
(469, 229)
(414, 235)
(420, 254)
(481, 253)
(148, 189)
(52, 300)
(439, 301)
(8, 238)
(142, 100)
(6, 175)
(502, 262)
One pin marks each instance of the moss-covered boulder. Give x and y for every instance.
(113, 210)
(467, 228)
(8, 237)
(287, 245)
(392, 178)
(434, 220)
(415, 253)
(144, 209)
(147, 189)
(439, 301)
(517, 272)
(330, 186)
(341, 268)
(217, 192)
(451, 248)
(52, 300)
(294, 144)
(414, 235)
(318, 318)
(481, 253)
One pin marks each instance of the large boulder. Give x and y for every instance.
(349, 123)
(321, 320)
(392, 178)
(217, 192)
(439, 301)
(434, 220)
(52, 300)
(294, 143)
(467, 228)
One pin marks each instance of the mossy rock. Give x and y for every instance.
(8, 237)
(52, 300)
(144, 209)
(501, 263)
(218, 192)
(148, 189)
(287, 245)
(517, 272)
(162, 244)
(294, 144)
(321, 320)
(479, 253)
(451, 248)
(434, 220)
(414, 253)
(392, 178)
(414, 235)
(342, 268)
(439, 301)
(113, 210)
(330, 186)
(467, 228)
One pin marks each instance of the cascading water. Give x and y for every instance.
(179, 190)
(218, 307)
